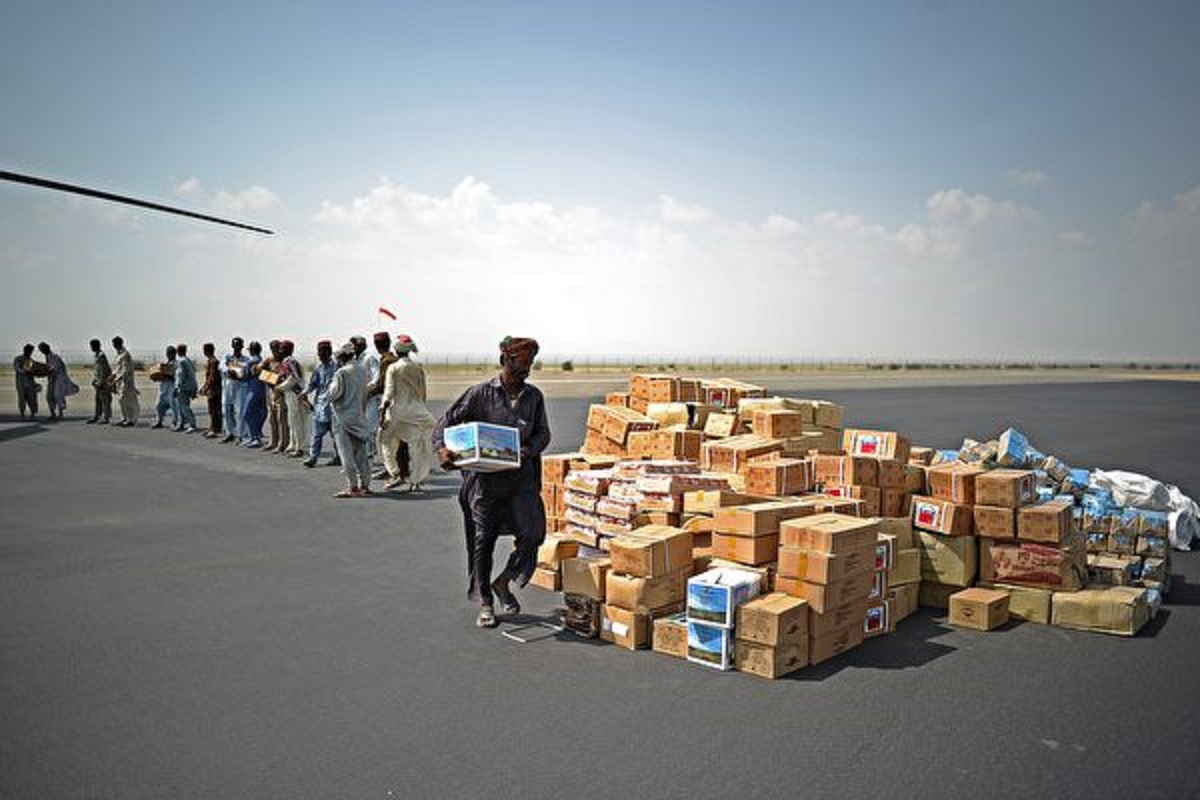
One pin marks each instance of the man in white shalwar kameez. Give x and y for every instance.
(125, 384)
(404, 418)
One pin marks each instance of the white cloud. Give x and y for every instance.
(1029, 178)
(252, 198)
(671, 210)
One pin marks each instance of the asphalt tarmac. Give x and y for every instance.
(180, 618)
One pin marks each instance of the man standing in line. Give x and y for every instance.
(317, 396)
(102, 378)
(211, 390)
(254, 406)
(348, 395)
(59, 385)
(277, 436)
(233, 391)
(185, 390)
(494, 503)
(291, 386)
(27, 386)
(377, 364)
(164, 375)
(405, 423)
(125, 384)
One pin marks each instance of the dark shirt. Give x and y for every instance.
(488, 402)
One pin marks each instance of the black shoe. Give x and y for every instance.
(336, 462)
(91, 421)
(102, 422)
(507, 600)
(310, 462)
(156, 425)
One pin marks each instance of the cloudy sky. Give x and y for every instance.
(878, 180)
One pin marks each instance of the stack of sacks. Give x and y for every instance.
(648, 578)
(829, 561)
(713, 598)
(772, 635)
(609, 427)
(581, 495)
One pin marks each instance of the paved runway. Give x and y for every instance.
(184, 619)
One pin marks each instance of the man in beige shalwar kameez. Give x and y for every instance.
(405, 419)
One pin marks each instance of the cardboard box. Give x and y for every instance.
(942, 516)
(775, 619)
(554, 550)
(780, 476)
(1113, 570)
(869, 495)
(710, 645)
(752, 550)
(669, 636)
(617, 399)
(1122, 543)
(891, 473)
(620, 422)
(735, 453)
(651, 551)
(757, 519)
(713, 596)
(979, 609)
(771, 661)
(883, 444)
(654, 387)
(1008, 488)
(905, 600)
(483, 447)
(899, 527)
(556, 466)
(777, 423)
(995, 522)
(835, 619)
(665, 444)
(816, 566)
(1026, 602)
(1121, 610)
(915, 479)
(547, 579)
(885, 551)
(1050, 522)
(585, 576)
(845, 470)
(950, 560)
(823, 648)
(920, 455)
(879, 618)
(1032, 564)
(830, 533)
(906, 567)
(628, 629)
(935, 595)
(953, 482)
(879, 586)
(822, 597)
(721, 426)
(707, 502)
(634, 593)
(893, 502)
(581, 615)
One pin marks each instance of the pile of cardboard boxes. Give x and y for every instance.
(712, 522)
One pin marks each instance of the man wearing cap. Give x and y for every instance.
(316, 394)
(125, 384)
(276, 407)
(211, 390)
(101, 386)
(185, 389)
(290, 387)
(405, 423)
(233, 391)
(59, 385)
(348, 396)
(495, 503)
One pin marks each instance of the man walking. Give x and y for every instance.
(125, 384)
(164, 375)
(347, 396)
(405, 423)
(102, 380)
(211, 390)
(317, 396)
(508, 501)
(27, 385)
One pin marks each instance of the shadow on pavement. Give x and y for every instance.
(19, 431)
(1182, 593)
(908, 646)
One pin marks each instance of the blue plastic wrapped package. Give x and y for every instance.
(1097, 542)
(1095, 506)
(1154, 523)
(1081, 477)
(1045, 493)
(1123, 543)
(1013, 449)
(1152, 546)
(1127, 522)
(945, 456)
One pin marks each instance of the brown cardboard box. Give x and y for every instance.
(883, 444)
(885, 550)
(823, 648)
(916, 479)
(905, 600)
(844, 470)
(721, 426)
(780, 476)
(979, 609)
(1026, 602)
(752, 550)
(935, 595)
(893, 502)
(669, 635)
(655, 387)
(901, 527)
(773, 619)
(920, 455)
(951, 560)
(767, 661)
(835, 619)
(1049, 522)
(891, 473)
(547, 579)
(620, 422)
(777, 423)
(1106, 569)
(707, 502)
(821, 597)
(1121, 610)
(869, 495)
(906, 567)
(1009, 488)
(617, 399)
(554, 550)
(629, 629)
(830, 533)
(555, 467)
(735, 453)
(585, 576)
(1032, 564)
(646, 594)
(996, 522)
(953, 482)
(550, 497)
(819, 567)
(758, 519)
(942, 516)
(880, 618)
(651, 551)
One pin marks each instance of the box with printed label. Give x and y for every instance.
(869, 495)
(953, 482)
(951, 560)
(735, 453)
(891, 473)
(979, 609)
(714, 596)
(835, 619)
(773, 619)
(845, 470)
(879, 618)
(777, 423)
(628, 629)
(771, 661)
(816, 566)
(669, 636)
(555, 467)
(900, 527)
(995, 522)
(483, 447)
(1009, 488)
(710, 645)
(1049, 522)
(1033, 564)
(893, 502)
(883, 444)
(942, 516)
(830, 533)
(885, 551)
(823, 648)
(585, 576)
(651, 551)
(780, 476)
(879, 586)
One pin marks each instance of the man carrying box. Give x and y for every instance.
(508, 501)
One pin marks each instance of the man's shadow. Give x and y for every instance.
(25, 427)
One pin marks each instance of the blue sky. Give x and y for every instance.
(944, 155)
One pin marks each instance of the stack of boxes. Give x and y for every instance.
(649, 570)
(949, 550)
(772, 636)
(713, 598)
(1125, 546)
(749, 534)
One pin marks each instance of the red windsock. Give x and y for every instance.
(387, 313)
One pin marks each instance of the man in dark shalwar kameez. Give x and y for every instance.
(509, 501)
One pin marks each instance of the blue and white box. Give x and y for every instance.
(1014, 448)
(484, 447)
(710, 645)
(713, 596)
